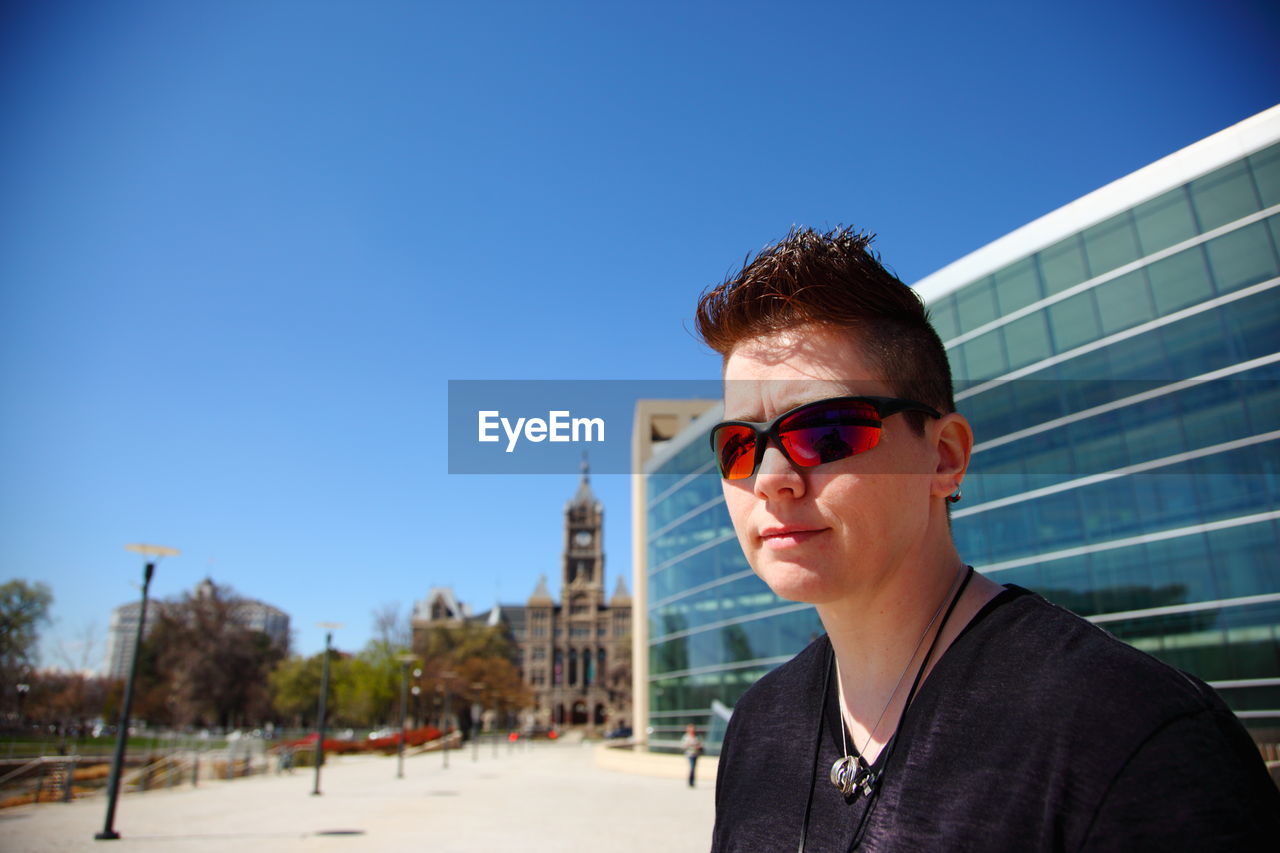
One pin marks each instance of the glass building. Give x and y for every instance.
(1119, 360)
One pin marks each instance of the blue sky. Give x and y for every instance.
(245, 245)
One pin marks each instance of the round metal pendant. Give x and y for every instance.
(844, 774)
(850, 774)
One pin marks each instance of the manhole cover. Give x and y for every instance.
(341, 832)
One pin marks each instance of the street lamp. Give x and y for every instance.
(329, 627)
(153, 553)
(444, 722)
(405, 659)
(416, 690)
(23, 689)
(477, 711)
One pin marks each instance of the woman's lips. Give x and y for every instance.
(778, 538)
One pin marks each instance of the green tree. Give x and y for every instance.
(369, 692)
(24, 608)
(458, 641)
(295, 686)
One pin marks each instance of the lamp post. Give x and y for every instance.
(416, 690)
(23, 689)
(405, 659)
(153, 553)
(329, 627)
(444, 722)
(477, 713)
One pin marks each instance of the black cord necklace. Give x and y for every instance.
(868, 781)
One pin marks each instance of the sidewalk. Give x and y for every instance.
(548, 797)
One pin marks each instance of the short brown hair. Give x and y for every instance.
(836, 280)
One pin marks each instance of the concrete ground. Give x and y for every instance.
(547, 796)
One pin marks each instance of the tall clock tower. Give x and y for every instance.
(582, 579)
(577, 654)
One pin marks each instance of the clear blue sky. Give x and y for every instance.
(244, 245)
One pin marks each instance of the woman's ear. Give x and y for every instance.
(955, 445)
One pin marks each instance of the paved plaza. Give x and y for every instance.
(545, 797)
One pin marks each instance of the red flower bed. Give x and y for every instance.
(331, 745)
(413, 737)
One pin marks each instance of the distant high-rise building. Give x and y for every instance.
(121, 636)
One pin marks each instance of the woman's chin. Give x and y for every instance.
(798, 583)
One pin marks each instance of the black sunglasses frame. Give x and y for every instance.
(767, 432)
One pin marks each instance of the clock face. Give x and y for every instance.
(582, 539)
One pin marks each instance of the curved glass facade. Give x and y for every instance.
(1124, 387)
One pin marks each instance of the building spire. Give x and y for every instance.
(540, 592)
(584, 497)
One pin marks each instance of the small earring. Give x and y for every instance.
(954, 497)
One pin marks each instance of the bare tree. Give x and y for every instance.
(68, 701)
(80, 654)
(391, 626)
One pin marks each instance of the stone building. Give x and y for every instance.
(576, 654)
(442, 609)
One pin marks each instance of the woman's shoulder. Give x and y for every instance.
(1076, 663)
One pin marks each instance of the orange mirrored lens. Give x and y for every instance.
(736, 451)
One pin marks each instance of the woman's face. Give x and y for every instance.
(819, 534)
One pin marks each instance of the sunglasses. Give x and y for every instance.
(808, 435)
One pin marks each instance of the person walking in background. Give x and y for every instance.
(692, 746)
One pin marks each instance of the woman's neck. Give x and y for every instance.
(880, 642)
